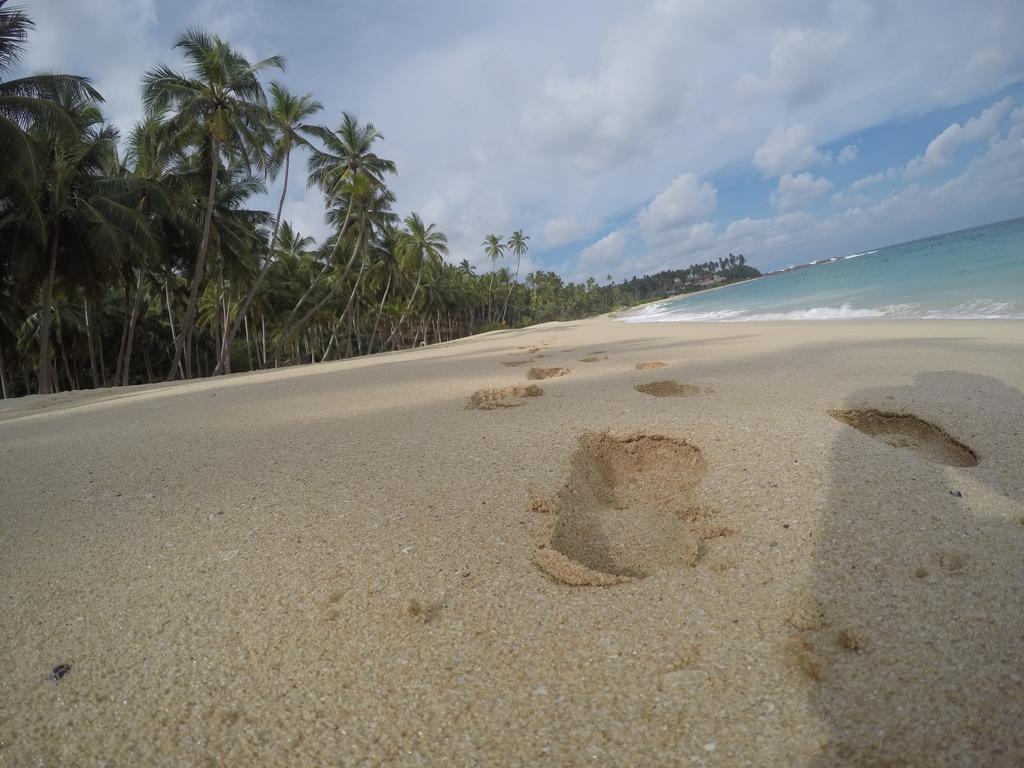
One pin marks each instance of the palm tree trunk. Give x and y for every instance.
(170, 312)
(348, 338)
(409, 305)
(225, 321)
(352, 296)
(248, 342)
(46, 317)
(189, 320)
(64, 358)
(330, 294)
(131, 328)
(263, 337)
(357, 321)
(490, 291)
(519, 259)
(3, 377)
(230, 335)
(125, 321)
(217, 303)
(380, 310)
(103, 361)
(287, 331)
(327, 349)
(91, 345)
(68, 370)
(170, 317)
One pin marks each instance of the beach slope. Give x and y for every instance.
(789, 544)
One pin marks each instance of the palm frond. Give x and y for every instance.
(14, 27)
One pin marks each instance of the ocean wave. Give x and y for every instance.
(845, 312)
(855, 255)
(980, 309)
(974, 310)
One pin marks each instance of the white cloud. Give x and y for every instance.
(685, 201)
(848, 198)
(603, 256)
(110, 41)
(990, 189)
(802, 62)
(874, 178)
(565, 229)
(982, 68)
(847, 154)
(787, 150)
(585, 116)
(798, 191)
(941, 150)
(304, 209)
(536, 115)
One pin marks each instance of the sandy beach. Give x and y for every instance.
(802, 545)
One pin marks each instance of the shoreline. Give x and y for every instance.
(693, 293)
(351, 562)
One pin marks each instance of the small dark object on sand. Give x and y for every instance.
(59, 671)
(956, 493)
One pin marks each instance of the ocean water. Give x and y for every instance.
(971, 274)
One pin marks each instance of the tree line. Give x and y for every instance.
(728, 269)
(136, 257)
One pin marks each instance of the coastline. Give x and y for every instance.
(687, 295)
(342, 562)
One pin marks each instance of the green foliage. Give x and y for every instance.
(116, 268)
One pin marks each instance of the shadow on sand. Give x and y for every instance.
(913, 634)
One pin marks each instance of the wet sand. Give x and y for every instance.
(803, 544)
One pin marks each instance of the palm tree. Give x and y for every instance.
(14, 27)
(387, 266)
(367, 204)
(347, 155)
(347, 151)
(160, 158)
(288, 114)
(78, 208)
(370, 203)
(27, 99)
(221, 106)
(494, 249)
(517, 245)
(418, 245)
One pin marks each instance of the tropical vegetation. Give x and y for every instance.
(140, 256)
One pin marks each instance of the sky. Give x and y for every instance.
(627, 137)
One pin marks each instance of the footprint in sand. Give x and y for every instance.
(506, 397)
(546, 373)
(650, 366)
(629, 509)
(904, 430)
(515, 363)
(593, 359)
(668, 389)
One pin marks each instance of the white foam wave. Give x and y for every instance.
(975, 310)
(980, 309)
(855, 255)
(845, 312)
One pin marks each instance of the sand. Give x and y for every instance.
(349, 564)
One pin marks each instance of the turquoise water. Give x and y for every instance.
(974, 273)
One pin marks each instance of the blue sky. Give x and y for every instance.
(630, 137)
